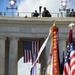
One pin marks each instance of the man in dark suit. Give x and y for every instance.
(46, 13)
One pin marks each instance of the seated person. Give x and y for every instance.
(46, 13)
(35, 14)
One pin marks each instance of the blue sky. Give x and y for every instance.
(28, 6)
(31, 5)
(4, 4)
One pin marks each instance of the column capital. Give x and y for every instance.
(1, 37)
(14, 38)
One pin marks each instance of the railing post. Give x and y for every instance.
(57, 14)
(17, 13)
(4, 13)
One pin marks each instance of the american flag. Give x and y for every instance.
(30, 47)
(69, 66)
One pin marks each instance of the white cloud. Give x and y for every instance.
(32, 5)
(28, 6)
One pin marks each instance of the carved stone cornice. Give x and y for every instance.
(34, 21)
(33, 26)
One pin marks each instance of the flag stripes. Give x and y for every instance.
(72, 60)
(37, 49)
(30, 47)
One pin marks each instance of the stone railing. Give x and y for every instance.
(28, 14)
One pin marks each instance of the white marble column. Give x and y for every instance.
(64, 45)
(2, 56)
(13, 54)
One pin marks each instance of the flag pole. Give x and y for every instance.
(54, 23)
(42, 48)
